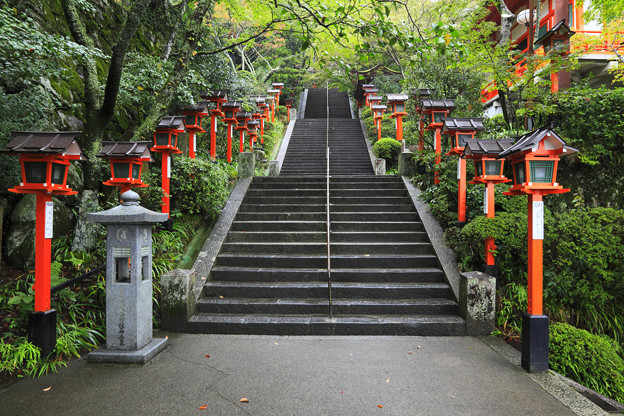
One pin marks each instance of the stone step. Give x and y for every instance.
(364, 226)
(373, 216)
(256, 274)
(378, 236)
(279, 226)
(397, 208)
(320, 305)
(277, 236)
(306, 290)
(415, 325)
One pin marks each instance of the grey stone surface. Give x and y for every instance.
(177, 299)
(128, 272)
(436, 236)
(407, 164)
(477, 302)
(273, 168)
(293, 376)
(246, 165)
(380, 166)
(281, 154)
(86, 232)
(302, 103)
(369, 146)
(208, 254)
(140, 356)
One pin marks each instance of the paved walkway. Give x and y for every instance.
(302, 376)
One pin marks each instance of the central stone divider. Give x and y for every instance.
(271, 278)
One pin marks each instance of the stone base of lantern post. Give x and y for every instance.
(42, 331)
(407, 164)
(380, 166)
(140, 356)
(477, 302)
(246, 165)
(535, 343)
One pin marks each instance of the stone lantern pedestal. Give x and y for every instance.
(128, 282)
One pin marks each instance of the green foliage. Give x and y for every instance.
(592, 360)
(198, 186)
(511, 303)
(584, 265)
(388, 149)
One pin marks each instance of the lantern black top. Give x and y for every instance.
(368, 85)
(486, 147)
(231, 104)
(531, 141)
(217, 95)
(561, 30)
(422, 92)
(378, 107)
(126, 149)
(375, 98)
(56, 142)
(279, 85)
(372, 91)
(396, 98)
(274, 91)
(463, 124)
(243, 116)
(201, 107)
(171, 123)
(437, 104)
(258, 98)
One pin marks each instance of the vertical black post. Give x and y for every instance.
(42, 331)
(535, 343)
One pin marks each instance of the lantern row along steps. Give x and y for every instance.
(271, 274)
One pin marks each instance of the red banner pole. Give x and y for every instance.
(43, 252)
(461, 194)
(535, 253)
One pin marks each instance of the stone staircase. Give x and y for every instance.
(271, 276)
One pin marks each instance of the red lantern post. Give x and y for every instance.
(273, 100)
(241, 120)
(557, 39)
(218, 98)
(378, 111)
(230, 109)
(417, 95)
(397, 101)
(193, 122)
(369, 89)
(534, 159)
(44, 158)
(461, 129)
(279, 86)
(433, 112)
(252, 126)
(126, 163)
(166, 143)
(488, 171)
(289, 103)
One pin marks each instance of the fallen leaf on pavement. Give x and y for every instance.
(418, 347)
(411, 352)
(204, 407)
(277, 343)
(47, 388)
(244, 400)
(388, 381)
(207, 356)
(379, 406)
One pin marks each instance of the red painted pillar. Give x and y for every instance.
(399, 127)
(229, 142)
(43, 252)
(421, 136)
(166, 175)
(378, 129)
(124, 188)
(554, 82)
(262, 130)
(535, 254)
(251, 141)
(288, 114)
(273, 112)
(213, 136)
(192, 144)
(461, 194)
(241, 145)
(489, 242)
(438, 154)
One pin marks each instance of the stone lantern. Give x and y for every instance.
(217, 98)
(252, 127)
(461, 129)
(433, 111)
(44, 158)
(274, 102)
(488, 171)
(289, 103)
(397, 101)
(374, 100)
(128, 282)
(367, 93)
(534, 159)
(126, 163)
(279, 86)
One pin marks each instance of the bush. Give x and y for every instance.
(198, 186)
(387, 149)
(592, 360)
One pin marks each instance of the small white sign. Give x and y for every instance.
(485, 201)
(459, 168)
(168, 156)
(231, 130)
(49, 219)
(215, 125)
(538, 220)
(194, 145)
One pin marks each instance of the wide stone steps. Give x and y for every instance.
(271, 276)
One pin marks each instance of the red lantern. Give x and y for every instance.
(218, 98)
(230, 109)
(166, 142)
(397, 101)
(193, 122)
(126, 163)
(241, 126)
